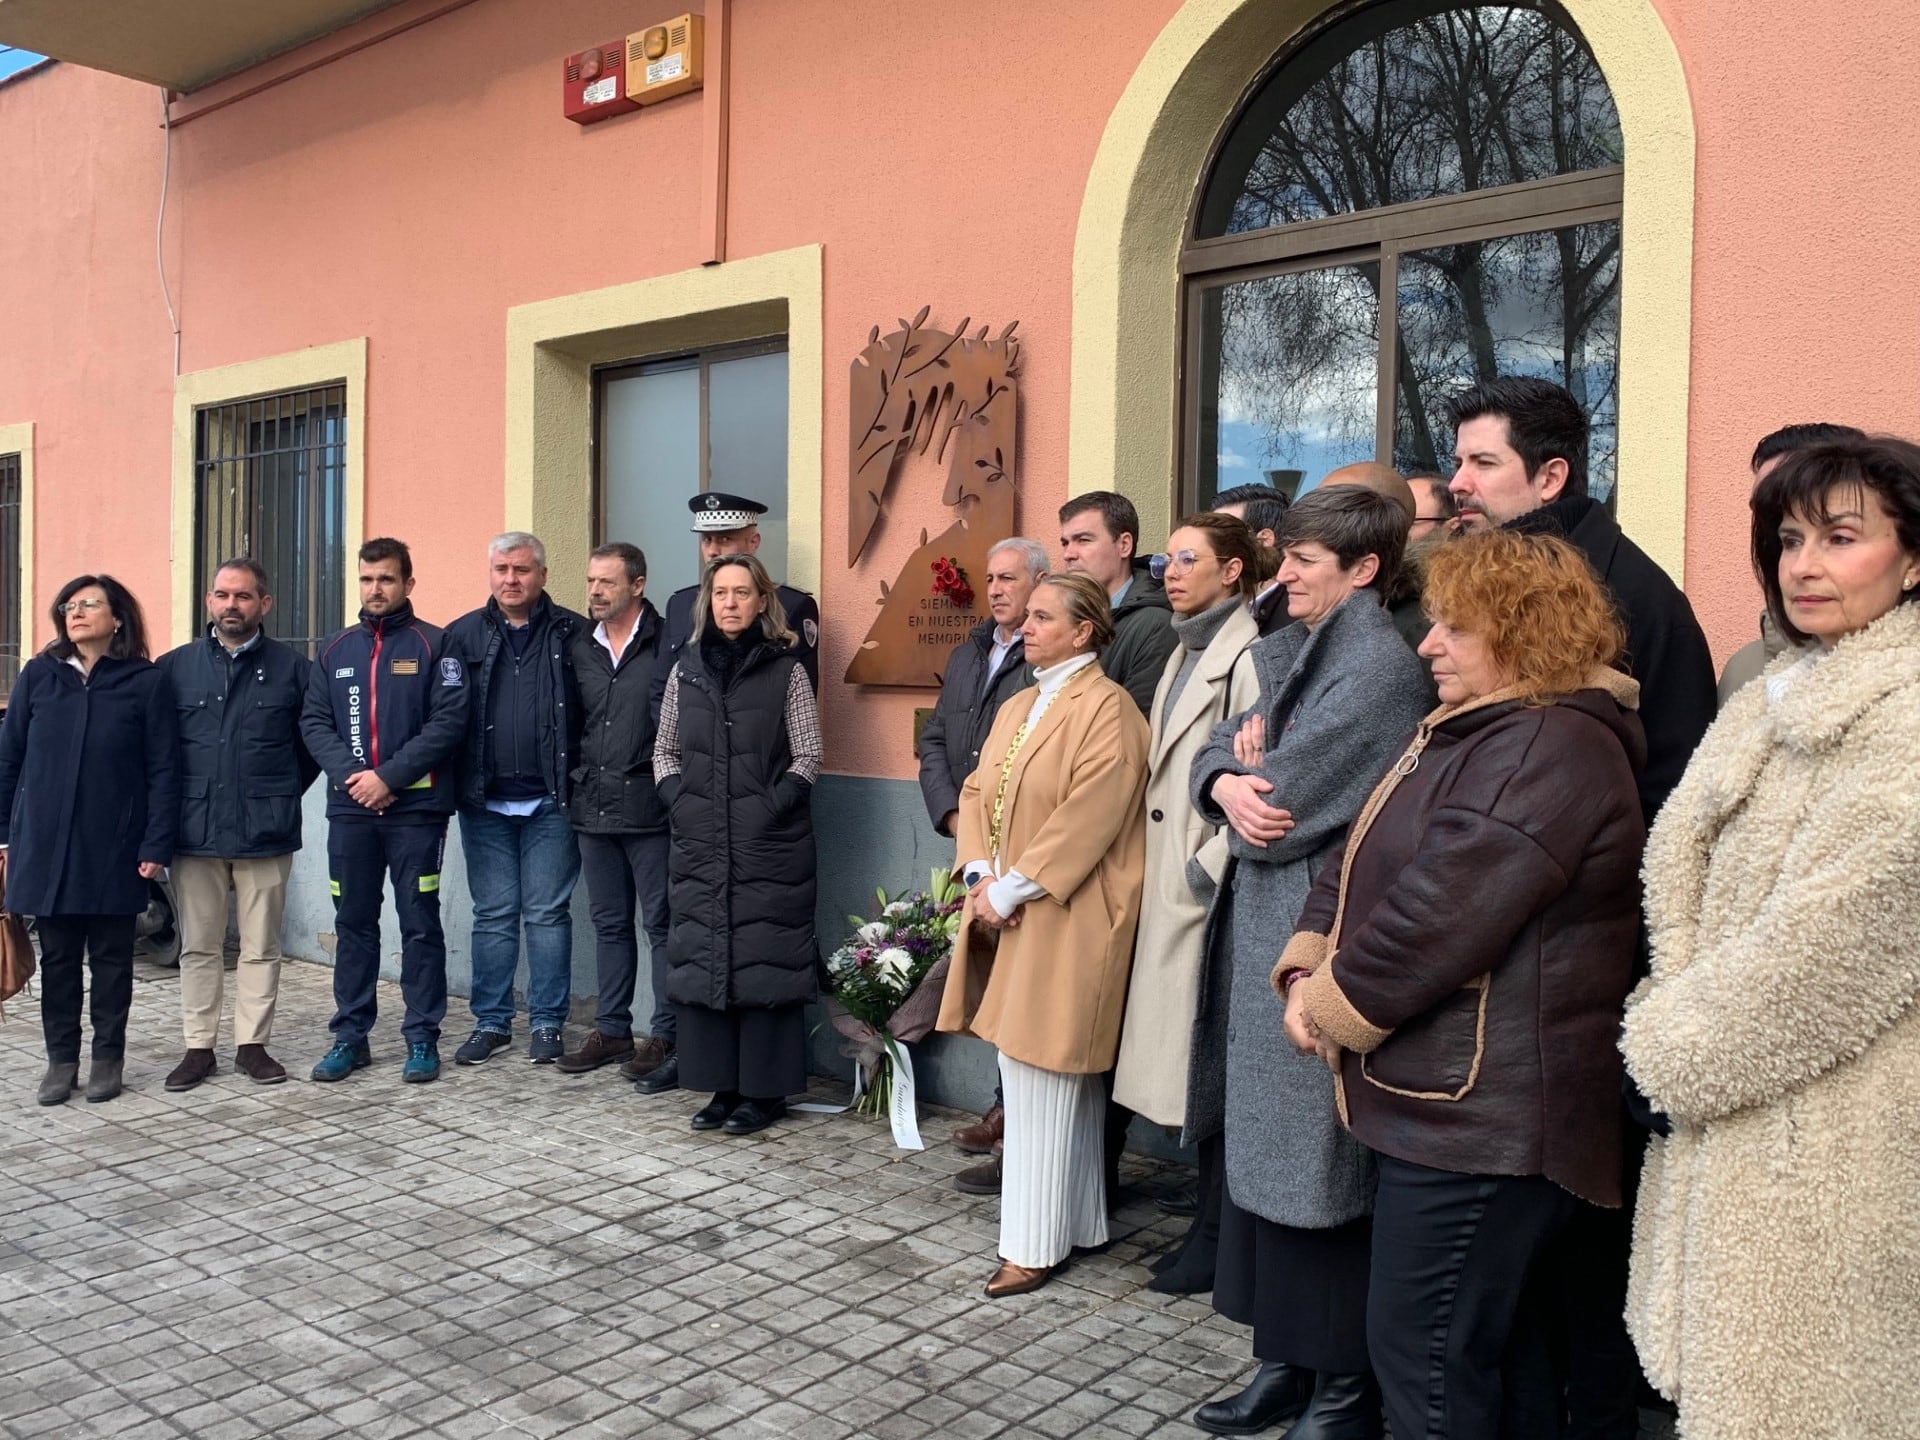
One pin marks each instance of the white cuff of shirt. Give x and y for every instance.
(975, 871)
(1011, 891)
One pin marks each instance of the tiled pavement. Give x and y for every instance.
(512, 1251)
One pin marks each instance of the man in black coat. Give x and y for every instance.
(617, 814)
(730, 525)
(1100, 536)
(984, 669)
(243, 769)
(1521, 457)
(1263, 508)
(523, 732)
(983, 672)
(1520, 452)
(385, 715)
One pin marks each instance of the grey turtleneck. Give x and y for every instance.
(1195, 633)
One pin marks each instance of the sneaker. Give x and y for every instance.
(596, 1050)
(545, 1046)
(342, 1060)
(478, 1047)
(198, 1065)
(423, 1063)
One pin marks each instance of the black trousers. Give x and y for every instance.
(624, 871)
(756, 1054)
(70, 945)
(1456, 1356)
(361, 857)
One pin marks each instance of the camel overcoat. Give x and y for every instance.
(1073, 823)
(1776, 1261)
(1163, 997)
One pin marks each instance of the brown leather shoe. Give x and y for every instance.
(197, 1066)
(257, 1065)
(979, 1138)
(1012, 1279)
(596, 1050)
(982, 1179)
(648, 1056)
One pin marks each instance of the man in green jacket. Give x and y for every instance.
(1100, 536)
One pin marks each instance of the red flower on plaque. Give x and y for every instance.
(951, 581)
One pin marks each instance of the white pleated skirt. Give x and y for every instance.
(1052, 1179)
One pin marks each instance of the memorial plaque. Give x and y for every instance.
(924, 390)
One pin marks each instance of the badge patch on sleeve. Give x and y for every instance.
(450, 676)
(811, 629)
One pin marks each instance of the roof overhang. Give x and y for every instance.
(181, 44)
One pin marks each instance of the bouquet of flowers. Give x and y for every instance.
(878, 967)
(951, 581)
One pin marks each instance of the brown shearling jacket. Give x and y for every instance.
(1483, 921)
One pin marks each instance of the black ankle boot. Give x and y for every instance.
(1276, 1394)
(1344, 1407)
(1191, 1272)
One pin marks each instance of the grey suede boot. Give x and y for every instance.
(103, 1079)
(61, 1078)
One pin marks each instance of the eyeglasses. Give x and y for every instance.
(1178, 563)
(82, 606)
(1431, 519)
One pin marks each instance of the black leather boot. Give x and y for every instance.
(1276, 1394)
(1191, 1271)
(1344, 1407)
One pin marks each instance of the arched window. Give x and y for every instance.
(1416, 197)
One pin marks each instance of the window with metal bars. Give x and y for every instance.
(270, 477)
(11, 540)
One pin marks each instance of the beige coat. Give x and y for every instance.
(1776, 1264)
(1052, 993)
(1156, 1043)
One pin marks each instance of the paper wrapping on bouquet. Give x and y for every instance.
(869, 1049)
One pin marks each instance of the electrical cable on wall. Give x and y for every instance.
(160, 264)
(159, 225)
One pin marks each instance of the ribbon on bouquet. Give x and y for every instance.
(867, 1047)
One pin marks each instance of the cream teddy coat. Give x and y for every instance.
(1776, 1264)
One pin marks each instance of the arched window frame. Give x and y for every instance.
(1379, 236)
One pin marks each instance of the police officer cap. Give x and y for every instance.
(716, 512)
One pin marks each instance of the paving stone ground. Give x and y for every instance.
(511, 1251)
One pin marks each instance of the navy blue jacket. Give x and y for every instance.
(386, 695)
(803, 619)
(479, 638)
(89, 786)
(243, 767)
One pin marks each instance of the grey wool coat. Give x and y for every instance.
(1340, 702)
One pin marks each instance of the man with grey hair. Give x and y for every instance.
(984, 670)
(523, 736)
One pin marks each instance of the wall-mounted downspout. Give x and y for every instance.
(713, 127)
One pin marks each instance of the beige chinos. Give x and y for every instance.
(200, 887)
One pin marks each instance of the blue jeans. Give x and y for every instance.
(521, 870)
(361, 856)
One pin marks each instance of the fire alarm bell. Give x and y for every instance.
(596, 84)
(664, 60)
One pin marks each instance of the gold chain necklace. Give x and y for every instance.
(1000, 795)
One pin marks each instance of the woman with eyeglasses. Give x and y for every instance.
(89, 799)
(1340, 692)
(1212, 565)
(735, 758)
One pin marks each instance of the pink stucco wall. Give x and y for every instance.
(414, 191)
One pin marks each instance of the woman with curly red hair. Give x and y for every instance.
(1462, 967)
